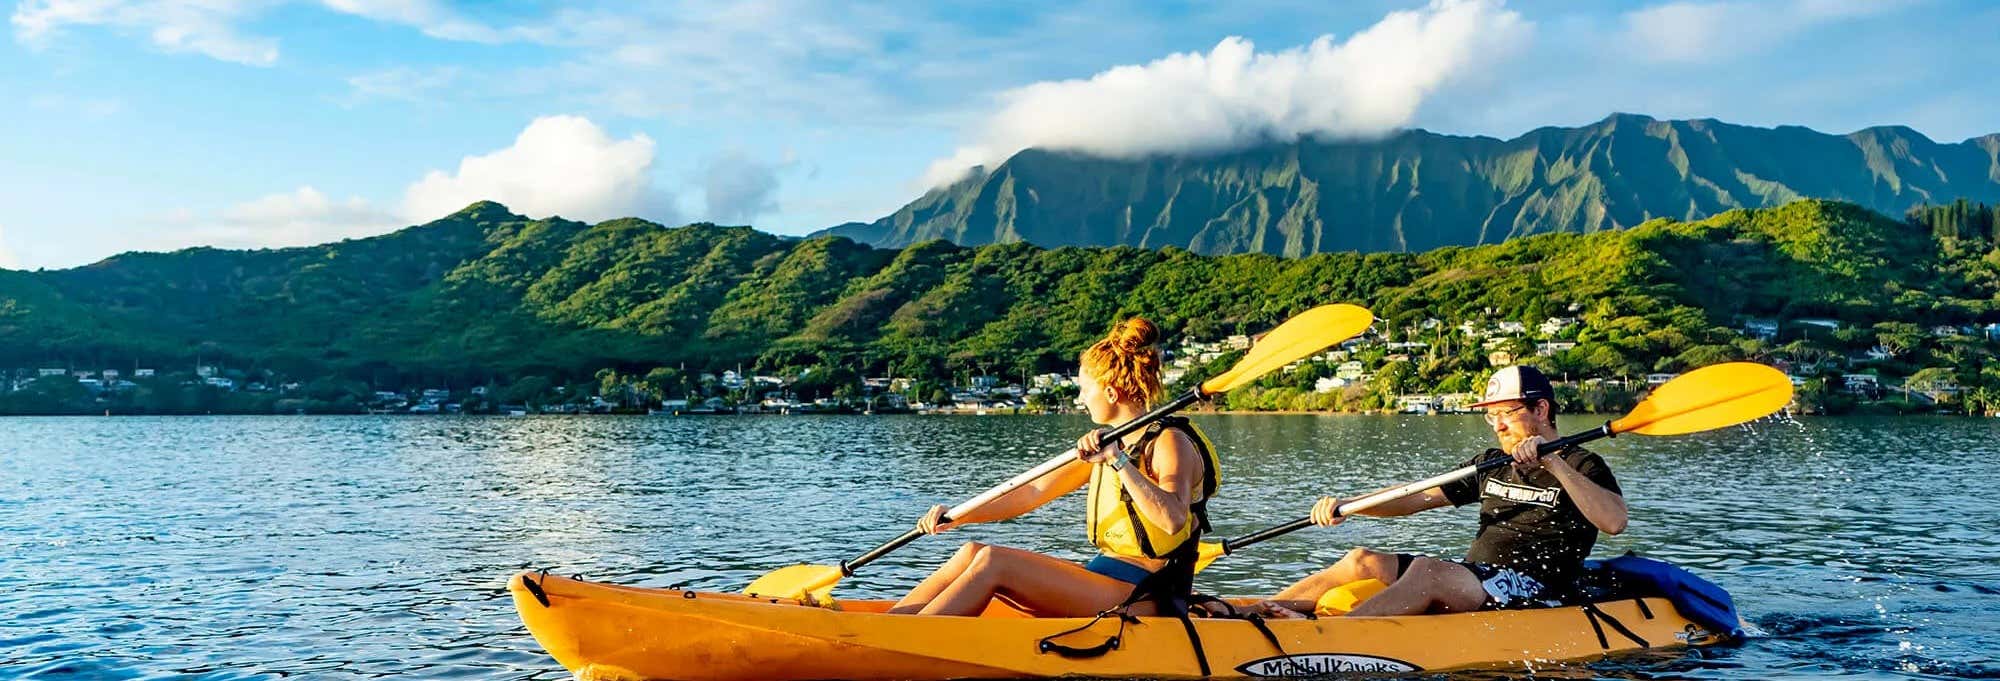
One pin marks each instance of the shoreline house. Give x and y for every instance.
(1828, 325)
(1860, 384)
(1554, 326)
(1761, 329)
(1457, 403)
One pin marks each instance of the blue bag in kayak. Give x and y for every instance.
(1697, 599)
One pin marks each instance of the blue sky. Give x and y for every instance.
(254, 123)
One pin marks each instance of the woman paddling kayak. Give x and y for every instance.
(1145, 511)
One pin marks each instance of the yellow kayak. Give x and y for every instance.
(606, 632)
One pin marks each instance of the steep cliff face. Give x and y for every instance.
(1418, 190)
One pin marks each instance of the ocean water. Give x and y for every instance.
(362, 547)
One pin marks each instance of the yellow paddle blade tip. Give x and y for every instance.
(1298, 338)
(800, 582)
(1209, 551)
(1708, 398)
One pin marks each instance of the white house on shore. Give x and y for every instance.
(1417, 404)
(1766, 329)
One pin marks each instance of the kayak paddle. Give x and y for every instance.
(1704, 399)
(1298, 338)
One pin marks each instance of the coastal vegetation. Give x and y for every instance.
(1858, 305)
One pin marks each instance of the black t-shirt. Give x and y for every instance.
(1528, 522)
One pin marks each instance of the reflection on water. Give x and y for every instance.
(355, 547)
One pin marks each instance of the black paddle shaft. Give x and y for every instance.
(847, 567)
(1231, 545)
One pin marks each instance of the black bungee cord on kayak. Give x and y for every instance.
(1168, 590)
(535, 589)
(1599, 619)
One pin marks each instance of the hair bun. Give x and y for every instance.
(1136, 334)
(1127, 360)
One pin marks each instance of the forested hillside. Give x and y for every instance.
(485, 297)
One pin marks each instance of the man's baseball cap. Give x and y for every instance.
(1517, 383)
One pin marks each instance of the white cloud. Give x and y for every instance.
(1234, 96)
(434, 19)
(301, 217)
(207, 27)
(403, 82)
(559, 165)
(1708, 32)
(865, 63)
(739, 188)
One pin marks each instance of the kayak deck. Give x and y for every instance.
(606, 632)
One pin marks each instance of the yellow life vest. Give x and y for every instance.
(1118, 528)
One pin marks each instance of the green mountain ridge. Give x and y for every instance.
(484, 295)
(1417, 190)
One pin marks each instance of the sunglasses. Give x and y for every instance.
(1493, 417)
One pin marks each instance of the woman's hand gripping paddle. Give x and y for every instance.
(1704, 399)
(1296, 339)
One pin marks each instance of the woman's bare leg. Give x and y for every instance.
(943, 577)
(1045, 586)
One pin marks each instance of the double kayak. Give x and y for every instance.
(607, 632)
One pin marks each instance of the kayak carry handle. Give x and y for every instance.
(535, 590)
(1098, 650)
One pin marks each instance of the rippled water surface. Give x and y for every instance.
(340, 548)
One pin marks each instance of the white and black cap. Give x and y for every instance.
(1517, 383)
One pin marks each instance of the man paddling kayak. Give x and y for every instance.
(1538, 520)
(1145, 512)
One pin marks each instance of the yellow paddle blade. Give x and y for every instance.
(1707, 398)
(1341, 600)
(803, 582)
(1296, 339)
(1209, 552)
